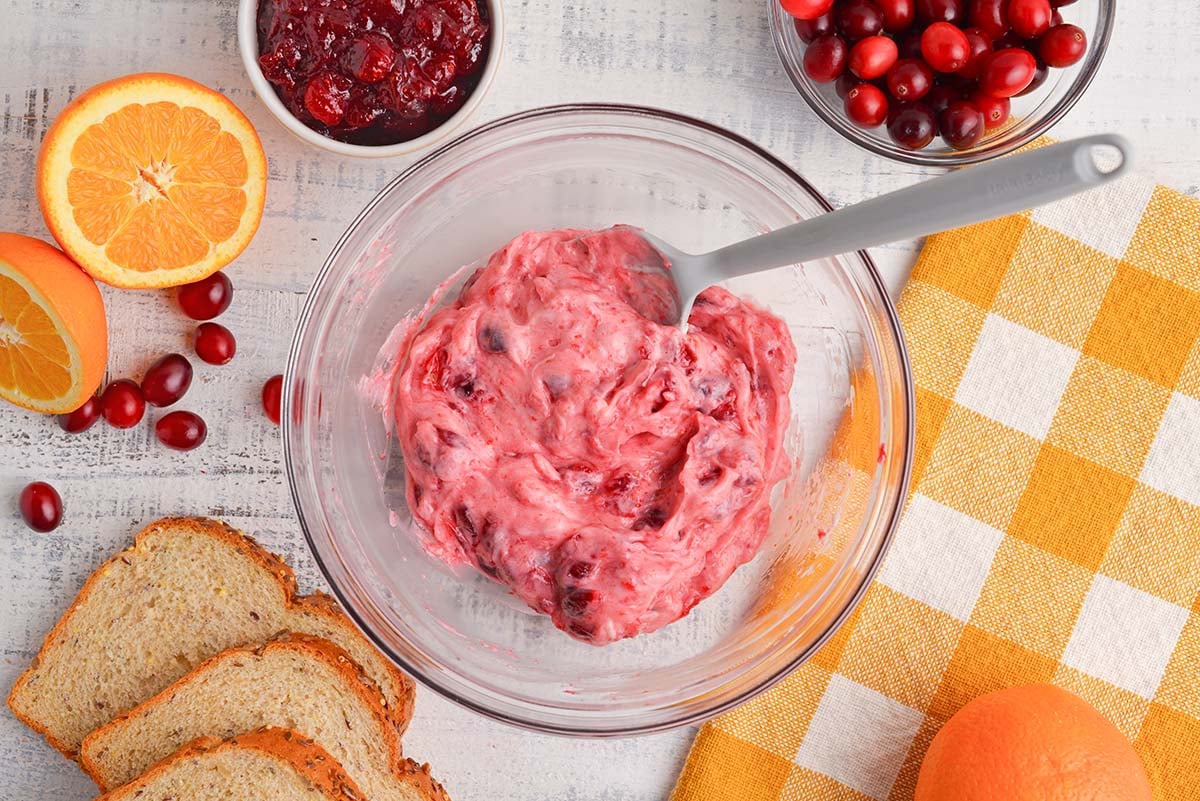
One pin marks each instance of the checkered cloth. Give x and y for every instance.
(1053, 530)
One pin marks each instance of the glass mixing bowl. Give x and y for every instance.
(1032, 114)
(592, 167)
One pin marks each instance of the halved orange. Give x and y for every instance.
(53, 334)
(152, 180)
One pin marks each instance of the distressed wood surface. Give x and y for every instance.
(709, 58)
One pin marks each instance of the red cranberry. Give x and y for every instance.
(945, 47)
(961, 125)
(122, 404)
(41, 506)
(941, 96)
(215, 343)
(370, 57)
(995, 110)
(858, 19)
(806, 9)
(1029, 18)
(909, 79)
(1039, 78)
(181, 431)
(272, 397)
(980, 46)
(1006, 72)
(898, 15)
(1055, 18)
(825, 59)
(866, 105)
(941, 11)
(1063, 45)
(988, 16)
(82, 418)
(872, 57)
(913, 127)
(845, 82)
(206, 298)
(810, 30)
(167, 380)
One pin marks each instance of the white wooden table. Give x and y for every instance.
(709, 58)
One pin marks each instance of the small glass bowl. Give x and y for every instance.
(594, 166)
(1032, 114)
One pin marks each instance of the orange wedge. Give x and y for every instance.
(53, 335)
(152, 180)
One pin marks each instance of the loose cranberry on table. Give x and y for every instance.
(272, 398)
(82, 418)
(377, 72)
(215, 343)
(181, 431)
(41, 506)
(122, 404)
(206, 298)
(167, 380)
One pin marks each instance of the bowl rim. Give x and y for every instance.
(247, 36)
(586, 728)
(1000, 146)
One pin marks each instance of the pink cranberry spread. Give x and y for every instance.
(567, 441)
(372, 72)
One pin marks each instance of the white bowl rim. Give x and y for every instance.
(247, 34)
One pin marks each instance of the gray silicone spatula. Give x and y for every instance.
(1005, 186)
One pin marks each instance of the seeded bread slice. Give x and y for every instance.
(304, 683)
(187, 589)
(267, 765)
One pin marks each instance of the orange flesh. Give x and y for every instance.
(33, 356)
(157, 185)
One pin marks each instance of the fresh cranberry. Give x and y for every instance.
(806, 9)
(961, 125)
(1039, 77)
(825, 59)
(941, 96)
(995, 110)
(858, 19)
(988, 16)
(167, 380)
(845, 82)
(930, 11)
(82, 418)
(913, 127)
(866, 105)
(1055, 18)
(181, 431)
(980, 46)
(370, 57)
(215, 343)
(1029, 18)
(272, 397)
(206, 298)
(809, 30)
(1063, 45)
(41, 506)
(872, 57)
(945, 47)
(909, 79)
(1006, 72)
(898, 15)
(122, 404)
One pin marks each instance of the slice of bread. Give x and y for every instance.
(303, 683)
(267, 765)
(187, 589)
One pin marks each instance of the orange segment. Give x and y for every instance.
(152, 180)
(53, 334)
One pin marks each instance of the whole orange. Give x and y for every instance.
(1033, 743)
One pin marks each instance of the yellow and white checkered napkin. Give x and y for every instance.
(1053, 530)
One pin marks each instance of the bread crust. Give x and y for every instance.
(308, 759)
(248, 547)
(329, 653)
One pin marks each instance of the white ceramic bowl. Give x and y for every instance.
(248, 47)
